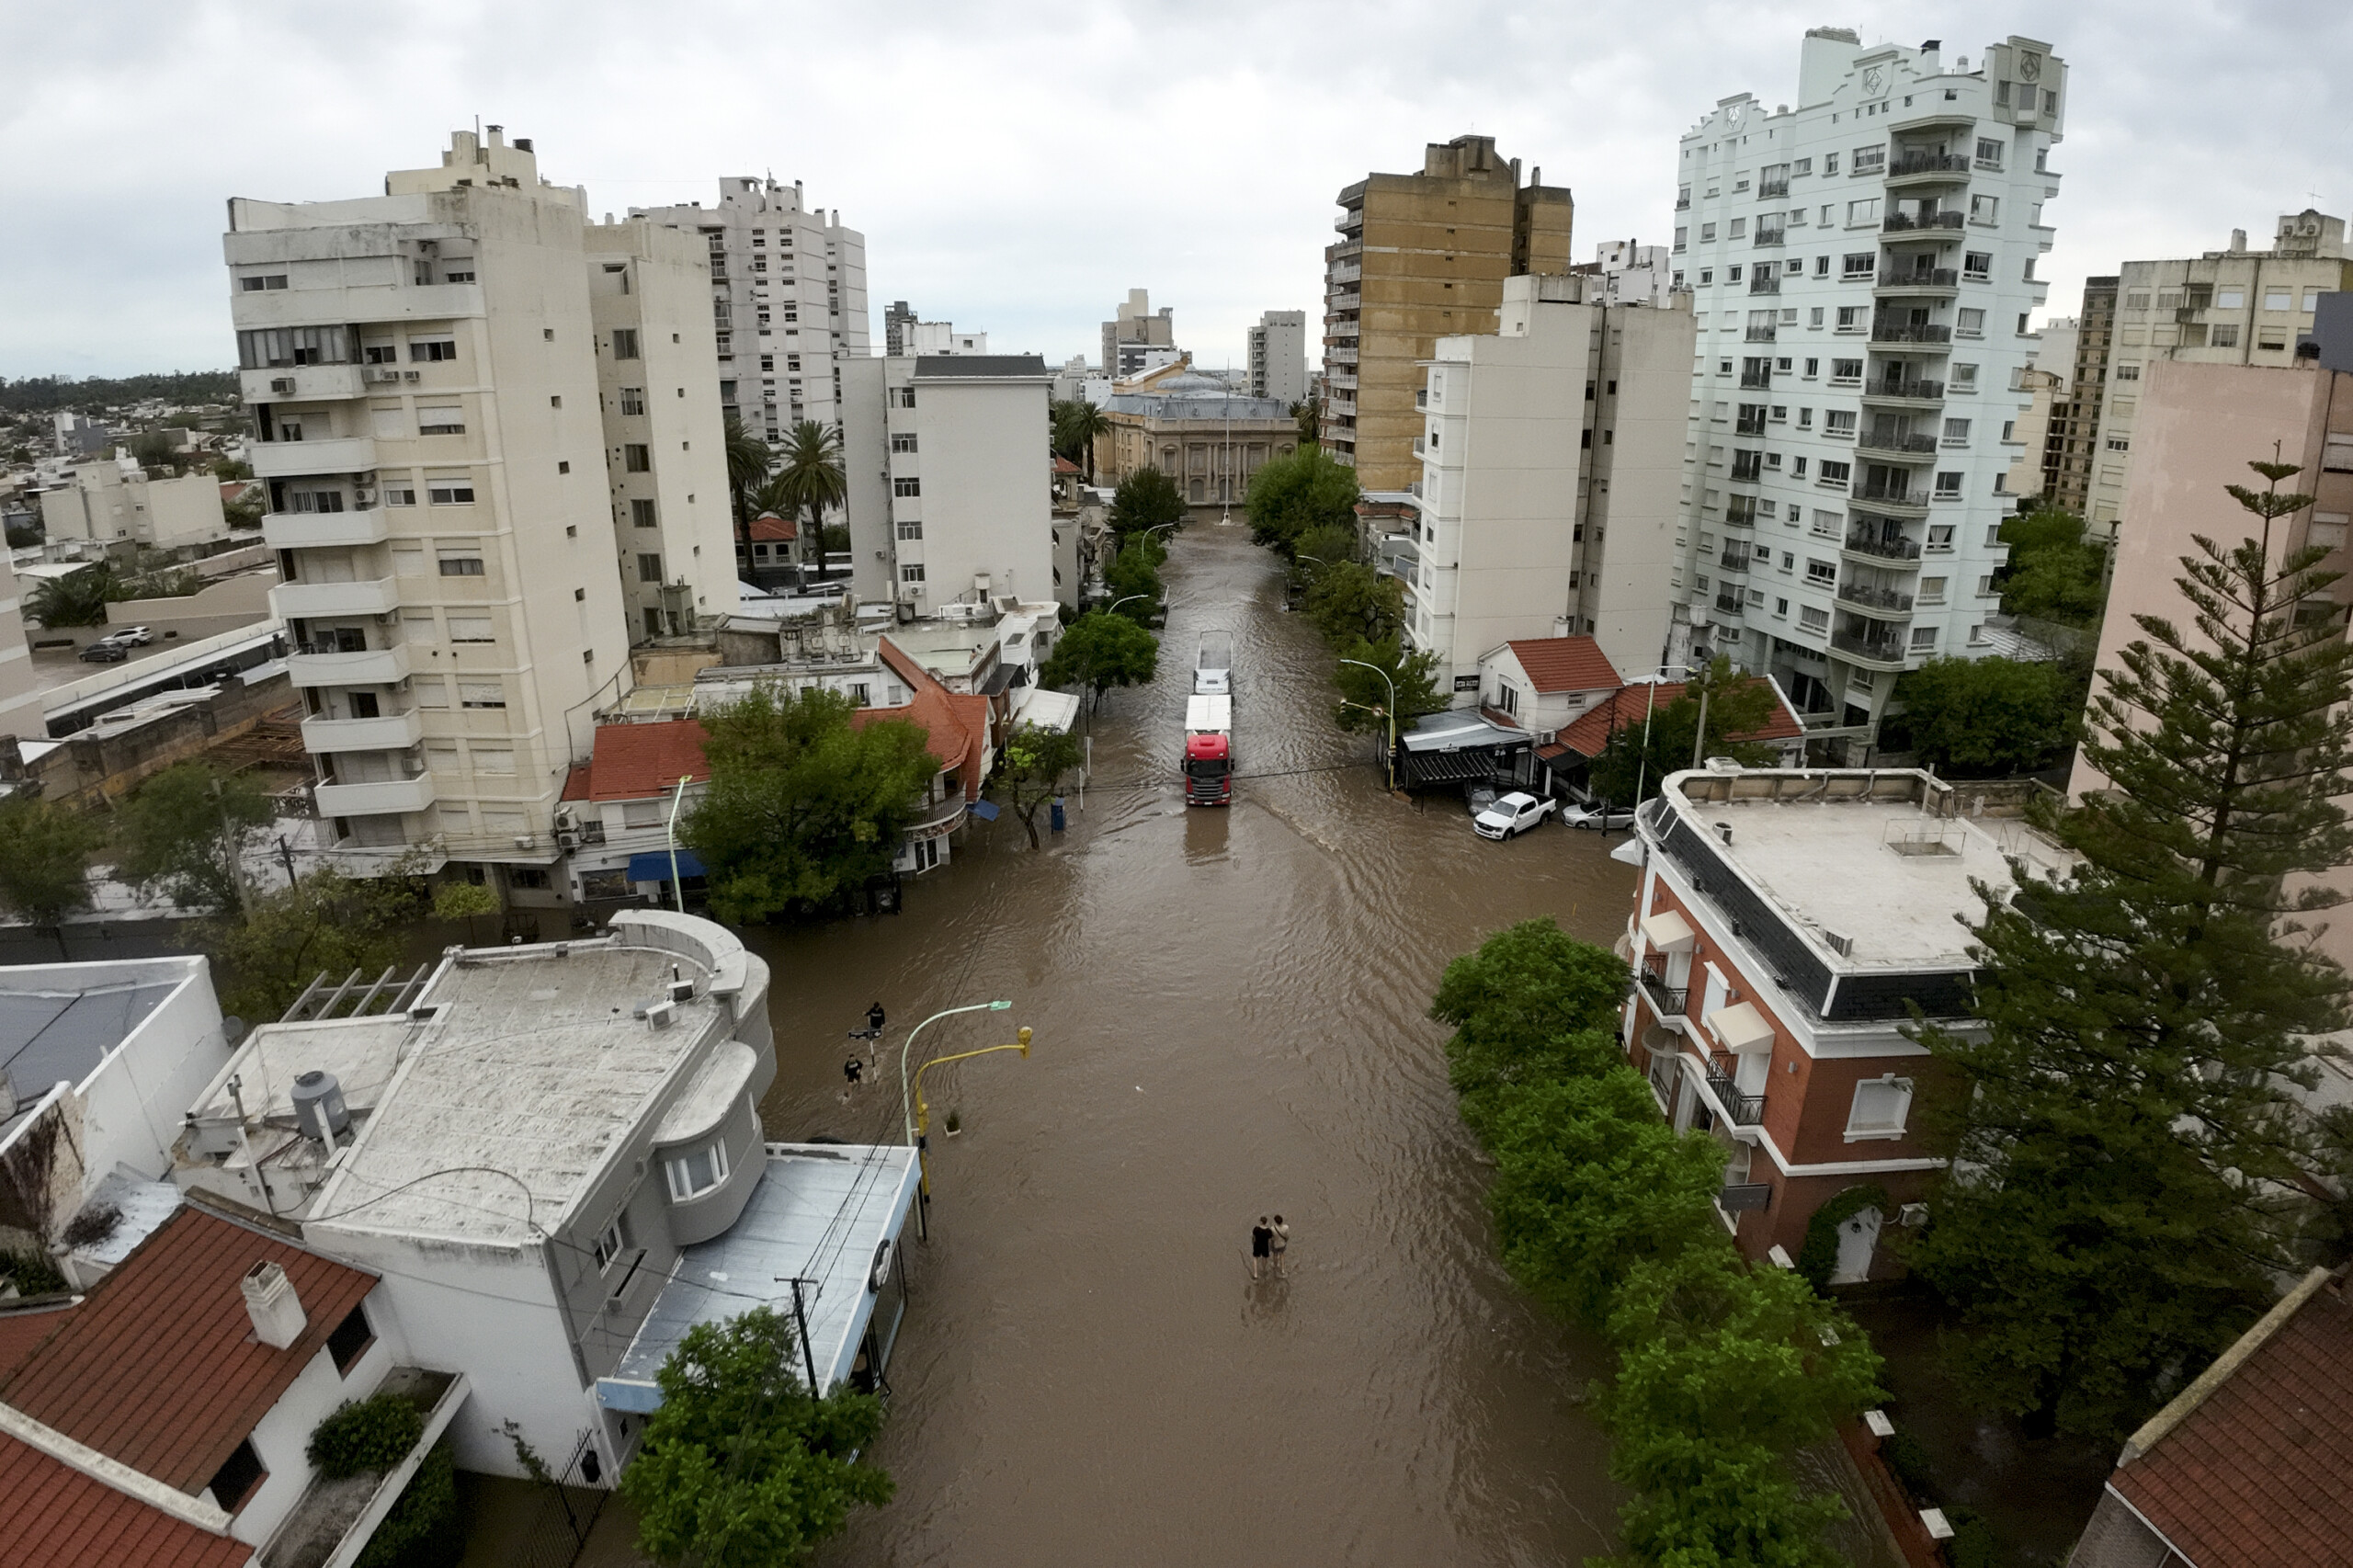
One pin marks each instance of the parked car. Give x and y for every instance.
(130, 636)
(1511, 815)
(1478, 797)
(105, 653)
(1605, 817)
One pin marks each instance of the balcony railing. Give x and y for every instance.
(1740, 512)
(1745, 1111)
(1765, 283)
(1771, 188)
(1748, 468)
(1921, 390)
(1757, 380)
(1749, 425)
(1890, 494)
(1767, 238)
(1729, 604)
(1875, 598)
(1920, 277)
(1898, 222)
(1760, 335)
(1927, 163)
(1886, 650)
(1731, 562)
(1910, 332)
(1671, 1001)
(1887, 549)
(1899, 445)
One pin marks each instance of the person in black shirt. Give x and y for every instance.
(1262, 1238)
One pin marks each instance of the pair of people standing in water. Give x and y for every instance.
(1268, 1241)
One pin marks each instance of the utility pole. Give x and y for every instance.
(286, 852)
(232, 843)
(1699, 741)
(801, 1319)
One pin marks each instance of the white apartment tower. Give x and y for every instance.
(665, 437)
(950, 494)
(424, 369)
(788, 300)
(1551, 459)
(1279, 357)
(1863, 271)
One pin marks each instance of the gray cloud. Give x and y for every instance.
(1019, 167)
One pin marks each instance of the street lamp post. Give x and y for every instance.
(1651, 703)
(677, 885)
(906, 1096)
(1114, 608)
(1391, 758)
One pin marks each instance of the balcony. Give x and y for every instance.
(1876, 600)
(1914, 391)
(1929, 168)
(285, 459)
(320, 663)
(1919, 280)
(1768, 188)
(1878, 653)
(1335, 355)
(1903, 448)
(1748, 468)
(1350, 222)
(1728, 604)
(1341, 331)
(1880, 548)
(1760, 335)
(308, 531)
(1769, 239)
(1765, 281)
(1902, 503)
(1905, 222)
(1683, 202)
(395, 732)
(303, 383)
(1740, 512)
(938, 820)
(309, 601)
(1742, 1110)
(1910, 332)
(1757, 380)
(1669, 1001)
(1733, 562)
(383, 799)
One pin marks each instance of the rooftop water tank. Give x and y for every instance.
(318, 1106)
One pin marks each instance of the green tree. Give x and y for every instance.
(425, 1529)
(468, 901)
(1145, 499)
(1413, 677)
(1134, 573)
(1289, 496)
(1653, 743)
(741, 1467)
(1098, 651)
(245, 511)
(1350, 599)
(1076, 426)
(1319, 548)
(1987, 717)
(44, 860)
(804, 804)
(182, 831)
(749, 462)
(2148, 1014)
(153, 451)
(325, 924)
(2051, 573)
(809, 475)
(1532, 1001)
(230, 468)
(1036, 762)
(78, 598)
(833, 539)
(1309, 416)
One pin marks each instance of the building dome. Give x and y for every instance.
(1191, 383)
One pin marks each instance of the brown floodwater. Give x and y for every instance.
(1231, 1017)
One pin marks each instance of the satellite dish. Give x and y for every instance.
(232, 1029)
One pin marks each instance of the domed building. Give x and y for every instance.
(1194, 428)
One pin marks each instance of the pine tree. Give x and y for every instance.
(2131, 1161)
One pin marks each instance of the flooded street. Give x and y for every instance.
(1230, 1009)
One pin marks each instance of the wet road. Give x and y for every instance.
(1230, 1016)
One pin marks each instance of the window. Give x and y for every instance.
(272, 347)
(1964, 378)
(431, 349)
(637, 458)
(1845, 371)
(2311, 301)
(2224, 335)
(462, 273)
(2128, 372)
(449, 492)
(1814, 318)
(624, 343)
(1932, 590)
(238, 1475)
(1949, 486)
(1923, 638)
(1835, 473)
(1818, 571)
(1850, 318)
(442, 421)
(1989, 153)
(1802, 166)
(1870, 160)
(1880, 1109)
(1830, 163)
(2272, 338)
(697, 1172)
(911, 573)
(1732, 274)
(255, 285)
(1859, 264)
(906, 485)
(911, 528)
(1707, 275)
(1956, 432)
(2235, 299)
(1806, 417)
(1977, 265)
(1739, 229)
(649, 568)
(1838, 422)
(641, 514)
(2327, 530)
(613, 1240)
(1985, 208)
(1707, 233)
(1811, 617)
(1863, 212)
(903, 397)
(351, 1340)
(2336, 454)
(633, 400)
(472, 629)
(483, 694)
(2275, 299)
(903, 440)
(1968, 323)
(1821, 267)
(1941, 538)
(461, 564)
(382, 353)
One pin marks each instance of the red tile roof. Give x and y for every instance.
(638, 762)
(959, 725)
(1566, 663)
(2254, 1475)
(769, 528)
(1064, 465)
(159, 1367)
(1626, 708)
(58, 1518)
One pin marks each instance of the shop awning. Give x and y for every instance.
(654, 866)
(1741, 1028)
(1667, 932)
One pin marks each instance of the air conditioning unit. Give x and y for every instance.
(567, 840)
(524, 841)
(566, 820)
(284, 384)
(363, 498)
(1546, 737)
(1911, 1216)
(412, 375)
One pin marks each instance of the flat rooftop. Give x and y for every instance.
(58, 1022)
(1874, 859)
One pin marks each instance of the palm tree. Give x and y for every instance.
(78, 598)
(809, 475)
(748, 462)
(1076, 425)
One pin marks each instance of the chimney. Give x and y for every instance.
(2238, 241)
(278, 1319)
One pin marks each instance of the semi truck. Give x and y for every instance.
(1214, 667)
(1208, 750)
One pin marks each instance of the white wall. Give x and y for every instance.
(283, 1437)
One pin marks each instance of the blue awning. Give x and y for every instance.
(655, 867)
(985, 809)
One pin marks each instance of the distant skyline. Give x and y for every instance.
(1018, 169)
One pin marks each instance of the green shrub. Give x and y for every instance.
(1974, 1542)
(423, 1530)
(1907, 1458)
(32, 1273)
(374, 1434)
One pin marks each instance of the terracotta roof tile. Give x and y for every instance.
(159, 1367)
(2254, 1477)
(638, 762)
(958, 725)
(769, 528)
(1566, 663)
(58, 1518)
(1625, 708)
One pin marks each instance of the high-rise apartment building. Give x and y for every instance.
(951, 488)
(424, 369)
(1422, 256)
(2226, 307)
(1132, 331)
(1863, 268)
(896, 323)
(2071, 432)
(1629, 273)
(1551, 459)
(788, 300)
(1279, 357)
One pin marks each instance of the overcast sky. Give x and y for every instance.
(1018, 167)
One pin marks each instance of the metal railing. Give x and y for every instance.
(1899, 222)
(1875, 598)
(1748, 468)
(1773, 188)
(1909, 332)
(1921, 277)
(1922, 390)
(1729, 604)
(1749, 425)
(1893, 495)
(1767, 238)
(1760, 335)
(1745, 1111)
(1762, 283)
(1757, 380)
(1902, 445)
(1927, 163)
(1887, 549)
(1671, 1001)
(1879, 650)
(1731, 563)
(1683, 203)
